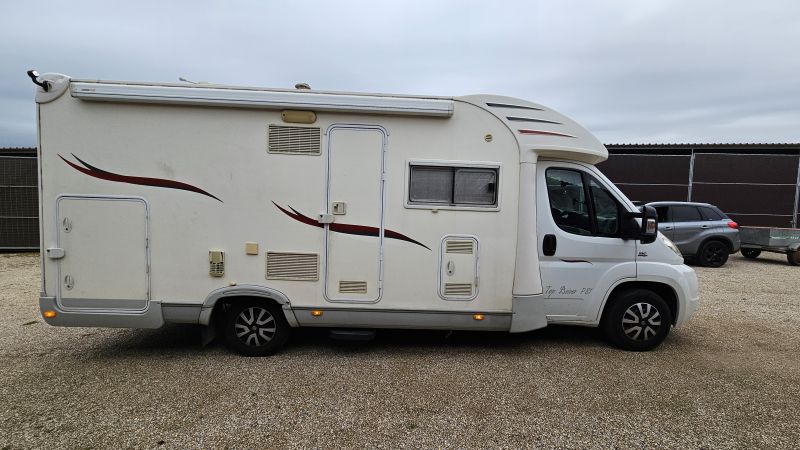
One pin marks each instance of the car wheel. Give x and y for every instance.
(713, 254)
(638, 320)
(253, 328)
(751, 253)
(793, 257)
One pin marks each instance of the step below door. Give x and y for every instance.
(106, 258)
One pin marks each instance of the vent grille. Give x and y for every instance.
(216, 269)
(216, 263)
(461, 246)
(292, 266)
(294, 140)
(458, 289)
(352, 287)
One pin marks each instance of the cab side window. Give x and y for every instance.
(662, 214)
(568, 201)
(606, 210)
(582, 205)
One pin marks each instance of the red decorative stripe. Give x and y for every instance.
(344, 228)
(545, 133)
(143, 181)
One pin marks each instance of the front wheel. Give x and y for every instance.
(793, 256)
(713, 254)
(254, 328)
(638, 320)
(751, 253)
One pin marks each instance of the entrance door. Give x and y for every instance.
(580, 251)
(354, 241)
(105, 263)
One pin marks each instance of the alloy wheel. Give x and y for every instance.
(255, 326)
(641, 321)
(715, 254)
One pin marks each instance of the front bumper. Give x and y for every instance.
(689, 298)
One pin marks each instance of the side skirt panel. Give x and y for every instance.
(407, 319)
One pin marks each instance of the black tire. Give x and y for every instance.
(793, 257)
(751, 253)
(637, 320)
(713, 253)
(255, 328)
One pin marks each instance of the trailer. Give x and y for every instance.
(776, 240)
(253, 211)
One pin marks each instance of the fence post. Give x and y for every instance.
(691, 176)
(796, 194)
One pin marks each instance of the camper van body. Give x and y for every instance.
(164, 202)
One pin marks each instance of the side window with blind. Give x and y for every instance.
(453, 186)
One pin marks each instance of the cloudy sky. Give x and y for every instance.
(655, 71)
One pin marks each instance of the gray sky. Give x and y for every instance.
(631, 71)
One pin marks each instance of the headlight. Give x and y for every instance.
(670, 245)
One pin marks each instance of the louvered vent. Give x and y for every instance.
(216, 263)
(352, 287)
(458, 289)
(460, 246)
(292, 266)
(294, 140)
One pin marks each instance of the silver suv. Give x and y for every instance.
(701, 231)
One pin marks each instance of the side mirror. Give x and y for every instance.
(645, 229)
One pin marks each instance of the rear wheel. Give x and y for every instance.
(638, 320)
(751, 253)
(793, 257)
(713, 254)
(254, 328)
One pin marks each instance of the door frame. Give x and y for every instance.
(146, 250)
(384, 144)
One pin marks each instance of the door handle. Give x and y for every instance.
(667, 228)
(549, 244)
(54, 253)
(69, 281)
(705, 226)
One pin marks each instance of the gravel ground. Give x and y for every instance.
(730, 378)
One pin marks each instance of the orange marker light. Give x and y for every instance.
(478, 316)
(49, 314)
(316, 313)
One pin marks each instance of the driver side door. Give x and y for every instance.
(581, 253)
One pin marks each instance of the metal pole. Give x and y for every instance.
(796, 195)
(691, 176)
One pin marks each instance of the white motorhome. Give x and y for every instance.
(258, 210)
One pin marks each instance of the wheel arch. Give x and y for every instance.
(665, 291)
(716, 237)
(217, 299)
